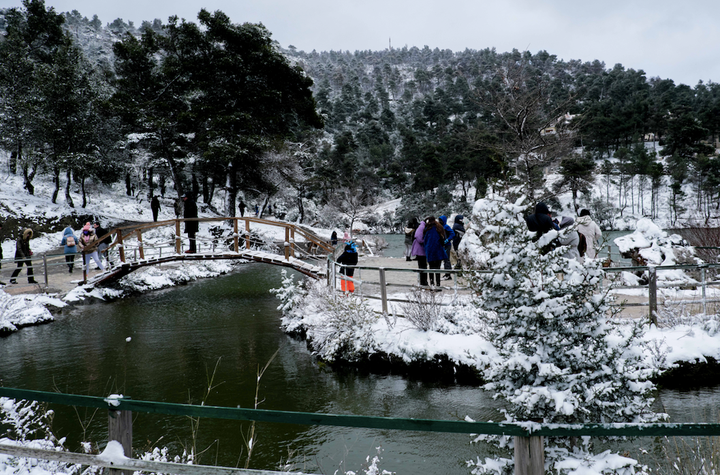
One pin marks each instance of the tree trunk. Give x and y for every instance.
(230, 192)
(56, 181)
(163, 178)
(84, 196)
(151, 185)
(27, 177)
(301, 210)
(68, 198)
(128, 184)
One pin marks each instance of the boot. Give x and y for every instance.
(31, 280)
(407, 258)
(13, 281)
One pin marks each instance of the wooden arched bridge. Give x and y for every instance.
(149, 244)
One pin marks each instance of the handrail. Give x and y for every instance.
(521, 429)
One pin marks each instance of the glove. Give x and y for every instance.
(446, 241)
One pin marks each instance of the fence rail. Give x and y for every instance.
(529, 444)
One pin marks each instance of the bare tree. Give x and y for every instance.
(524, 123)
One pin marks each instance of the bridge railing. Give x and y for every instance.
(373, 282)
(529, 444)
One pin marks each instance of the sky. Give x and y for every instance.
(667, 39)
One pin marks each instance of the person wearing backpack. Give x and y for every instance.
(69, 240)
(591, 231)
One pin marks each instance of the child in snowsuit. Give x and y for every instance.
(349, 257)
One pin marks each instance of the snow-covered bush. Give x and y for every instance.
(424, 309)
(561, 358)
(290, 294)
(337, 326)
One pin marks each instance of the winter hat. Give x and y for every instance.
(459, 218)
(87, 227)
(584, 212)
(346, 235)
(566, 221)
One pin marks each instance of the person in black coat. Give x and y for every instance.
(540, 222)
(155, 207)
(191, 227)
(241, 207)
(333, 238)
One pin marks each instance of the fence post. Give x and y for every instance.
(139, 238)
(287, 244)
(46, 272)
(120, 429)
(178, 238)
(236, 239)
(704, 298)
(121, 247)
(292, 242)
(529, 456)
(652, 291)
(247, 230)
(383, 290)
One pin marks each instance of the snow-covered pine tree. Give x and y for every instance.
(561, 357)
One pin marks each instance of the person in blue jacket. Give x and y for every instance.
(349, 257)
(69, 240)
(449, 236)
(434, 247)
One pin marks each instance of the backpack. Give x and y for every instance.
(582, 244)
(70, 241)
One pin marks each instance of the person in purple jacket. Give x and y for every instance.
(418, 251)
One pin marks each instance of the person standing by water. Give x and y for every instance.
(89, 246)
(22, 256)
(410, 237)
(241, 208)
(349, 257)
(191, 227)
(434, 247)
(459, 228)
(447, 244)
(155, 207)
(418, 252)
(592, 232)
(333, 238)
(105, 241)
(70, 241)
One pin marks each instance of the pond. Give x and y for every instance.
(215, 334)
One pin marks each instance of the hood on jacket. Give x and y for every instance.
(541, 208)
(68, 231)
(459, 218)
(27, 234)
(584, 220)
(566, 221)
(443, 220)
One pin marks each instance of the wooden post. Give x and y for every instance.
(121, 247)
(292, 241)
(287, 244)
(704, 285)
(652, 292)
(139, 238)
(383, 290)
(120, 429)
(178, 238)
(529, 456)
(247, 230)
(237, 238)
(84, 266)
(46, 273)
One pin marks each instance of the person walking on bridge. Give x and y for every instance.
(89, 246)
(22, 256)
(191, 227)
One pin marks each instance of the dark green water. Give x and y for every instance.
(178, 336)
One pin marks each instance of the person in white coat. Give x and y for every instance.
(591, 231)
